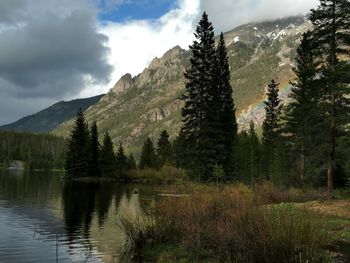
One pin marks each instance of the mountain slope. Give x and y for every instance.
(50, 118)
(144, 105)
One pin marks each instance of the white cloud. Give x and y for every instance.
(227, 14)
(135, 43)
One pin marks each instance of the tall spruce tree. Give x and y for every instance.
(95, 152)
(331, 34)
(131, 163)
(272, 108)
(254, 147)
(225, 124)
(164, 149)
(148, 155)
(302, 116)
(121, 161)
(107, 157)
(271, 127)
(199, 110)
(181, 152)
(78, 150)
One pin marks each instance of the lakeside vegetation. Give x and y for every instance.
(303, 143)
(235, 223)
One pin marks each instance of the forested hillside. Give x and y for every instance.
(37, 151)
(144, 105)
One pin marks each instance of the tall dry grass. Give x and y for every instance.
(231, 225)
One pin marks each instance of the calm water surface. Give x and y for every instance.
(45, 219)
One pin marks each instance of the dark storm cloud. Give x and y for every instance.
(10, 10)
(49, 50)
(53, 57)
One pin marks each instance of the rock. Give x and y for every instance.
(16, 165)
(123, 84)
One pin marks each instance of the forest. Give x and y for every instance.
(304, 142)
(37, 151)
(275, 193)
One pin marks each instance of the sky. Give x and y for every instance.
(52, 50)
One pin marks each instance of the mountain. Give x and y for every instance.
(50, 118)
(144, 105)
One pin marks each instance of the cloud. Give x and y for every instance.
(135, 43)
(50, 50)
(227, 14)
(57, 49)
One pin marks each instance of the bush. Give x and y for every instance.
(168, 174)
(233, 225)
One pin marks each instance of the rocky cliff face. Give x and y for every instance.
(146, 104)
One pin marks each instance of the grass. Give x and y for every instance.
(166, 175)
(229, 224)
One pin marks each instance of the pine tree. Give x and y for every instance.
(302, 117)
(164, 149)
(131, 163)
(198, 113)
(95, 152)
(121, 161)
(242, 158)
(254, 147)
(107, 157)
(78, 152)
(271, 127)
(226, 124)
(148, 155)
(331, 21)
(272, 108)
(180, 152)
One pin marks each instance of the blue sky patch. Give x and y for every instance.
(135, 10)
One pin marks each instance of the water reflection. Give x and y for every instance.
(80, 220)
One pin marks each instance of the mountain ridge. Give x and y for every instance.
(51, 117)
(143, 105)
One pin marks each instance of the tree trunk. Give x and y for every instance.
(302, 163)
(331, 158)
(333, 53)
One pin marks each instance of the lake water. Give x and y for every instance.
(45, 219)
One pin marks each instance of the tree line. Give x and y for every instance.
(86, 157)
(37, 151)
(303, 142)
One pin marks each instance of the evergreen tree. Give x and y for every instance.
(131, 163)
(121, 161)
(271, 127)
(180, 152)
(78, 152)
(272, 108)
(95, 152)
(331, 35)
(199, 112)
(302, 117)
(164, 150)
(242, 158)
(148, 155)
(254, 147)
(226, 124)
(107, 157)
(278, 166)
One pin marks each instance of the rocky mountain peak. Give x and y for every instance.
(257, 52)
(123, 84)
(170, 55)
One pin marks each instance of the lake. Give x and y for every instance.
(46, 219)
